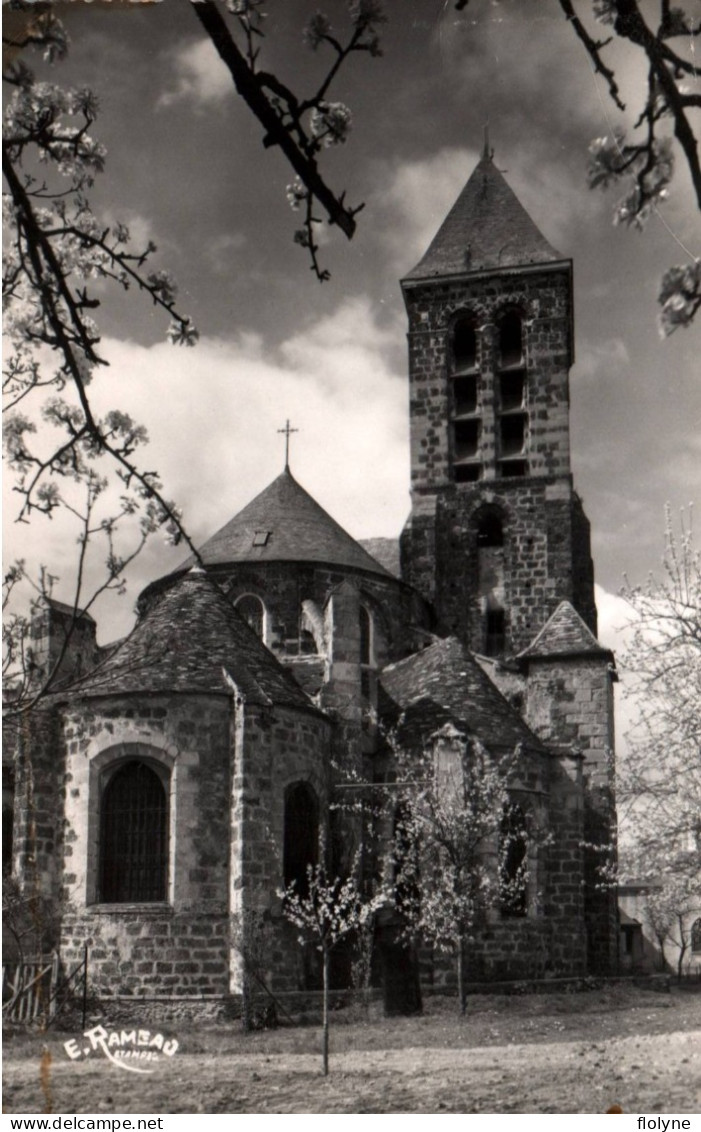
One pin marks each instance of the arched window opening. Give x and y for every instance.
(366, 637)
(495, 632)
(405, 865)
(696, 936)
(133, 836)
(301, 835)
(252, 610)
(513, 861)
(511, 340)
(464, 345)
(368, 674)
(490, 531)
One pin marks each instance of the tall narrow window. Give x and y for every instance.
(513, 861)
(252, 610)
(512, 401)
(491, 582)
(301, 835)
(464, 397)
(368, 674)
(8, 816)
(696, 937)
(133, 836)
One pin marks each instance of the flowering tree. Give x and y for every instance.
(60, 264)
(330, 910)
(659, 784)
(302, 127)
(670, 907)
(458, 849)
(645, 161)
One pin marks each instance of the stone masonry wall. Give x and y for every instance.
(274, 748)
(540, 565)
(570, 702)
(180, 945)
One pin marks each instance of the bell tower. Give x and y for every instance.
(497, 536)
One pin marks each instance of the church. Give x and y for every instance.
(175, 782)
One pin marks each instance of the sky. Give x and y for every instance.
(187, 169)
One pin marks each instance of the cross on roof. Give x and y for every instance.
(287, 431)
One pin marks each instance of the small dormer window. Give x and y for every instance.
(260, 538)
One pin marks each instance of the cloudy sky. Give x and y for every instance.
(186, 168)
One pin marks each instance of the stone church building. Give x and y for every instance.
(179, 779)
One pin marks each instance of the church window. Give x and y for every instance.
(133, 835)
(252, 610)
(466, 423)
(490, 531)
(495, 635)
(696, 937)
(510, 340)
(368, 675)
(513, 861)
(301, 835)
(464, 345)
(512, 401)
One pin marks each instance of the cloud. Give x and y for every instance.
(220, 250)
(199, 76)
(418, 195)
(213, 415)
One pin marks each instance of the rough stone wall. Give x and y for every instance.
(570, 702)
(38, 748)
(180, 945)
(546, 552)
(284, 587)
(274, 748)
(539, 569)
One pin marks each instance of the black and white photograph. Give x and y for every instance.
(352, 616)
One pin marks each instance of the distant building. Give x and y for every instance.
(182, 777)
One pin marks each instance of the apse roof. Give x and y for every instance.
(283, 523)
(487, 228)
(190, 637)
(444, 683)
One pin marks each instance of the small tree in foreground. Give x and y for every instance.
(329, 911)
(670, 908)
(460, 844)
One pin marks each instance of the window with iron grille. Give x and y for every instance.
(133, 836)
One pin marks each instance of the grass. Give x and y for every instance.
(536, 1053)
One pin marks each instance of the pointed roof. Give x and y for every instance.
(487, 228)
(444, 683)
(284, 524)
(564, 634)
(191, 640)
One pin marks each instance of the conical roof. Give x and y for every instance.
(444, 683)
(487, 228)
(564, 634)
(284, 524)
(190, 640)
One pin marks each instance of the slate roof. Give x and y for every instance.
(564, 634)
(68, 610)
(284, 524)
(486, 228)
(444, 683)
(184, 642)
(385, 551)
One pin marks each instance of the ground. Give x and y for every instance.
(575, 1053)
